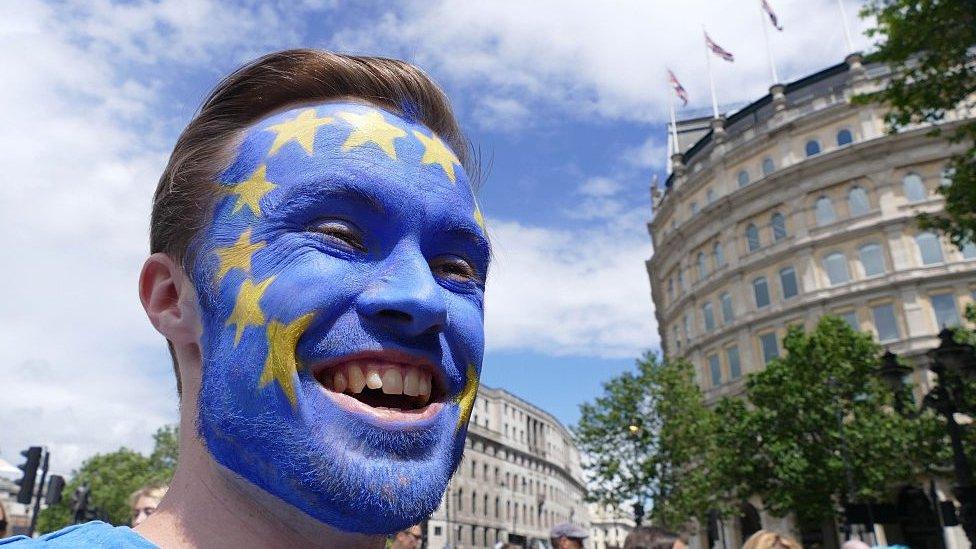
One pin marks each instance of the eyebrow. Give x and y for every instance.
(332, 189)
(466, 233)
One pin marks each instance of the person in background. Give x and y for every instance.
(144, 501)
(567, 535)
(653, 537)
(764, 539)
(411, 538)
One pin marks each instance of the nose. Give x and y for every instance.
(405, 300)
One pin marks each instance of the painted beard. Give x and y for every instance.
(337, 375)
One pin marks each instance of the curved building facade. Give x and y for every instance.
(520, 475)
(798, 206)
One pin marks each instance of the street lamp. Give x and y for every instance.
(634, 431)
(951, 362)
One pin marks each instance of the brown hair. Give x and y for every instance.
(764, 539)
(187, 188)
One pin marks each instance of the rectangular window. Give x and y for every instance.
(709, 196)
(716, 370)
(770, 347)
(761, 291)
(708, 316)
(787, 281)
(735, 367)
(728, 315)
(437, 531)
(885, 322)
(850, 317)
(687, 326)
(944, 306)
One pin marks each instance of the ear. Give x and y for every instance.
(169, 299)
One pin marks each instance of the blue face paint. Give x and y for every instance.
(347, 235)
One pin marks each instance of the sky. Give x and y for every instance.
(565, 100)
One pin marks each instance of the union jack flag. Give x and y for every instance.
(678, 88)
(772, 15)
(718, 50)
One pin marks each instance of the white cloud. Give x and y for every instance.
(606, 58)
(80, 365)
(651, 154)
(569, 292)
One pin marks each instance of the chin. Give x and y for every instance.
(343, 469)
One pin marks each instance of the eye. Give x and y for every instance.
(455, 268)
(342, 231)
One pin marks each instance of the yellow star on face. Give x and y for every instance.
(237, 255)
(302, 129)
(479, 217)
(436, 152)
(466, 399)
(371, 128)
(282, 365)
(251, 191)
(247, 309)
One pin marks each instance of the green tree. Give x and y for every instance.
(822, 428)
(648, 438)
(930, 46)
(112, 478)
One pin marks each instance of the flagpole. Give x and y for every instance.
(847, 31)
(674, 124)
(711, 80)
(769, 50)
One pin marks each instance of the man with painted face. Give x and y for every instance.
(318, 268)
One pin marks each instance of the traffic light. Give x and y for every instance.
(54, 488)
(26, 493)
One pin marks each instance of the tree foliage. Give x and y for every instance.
(648, 438)
(823, 429)
(930, 46)
(814, 429)
(113, 477)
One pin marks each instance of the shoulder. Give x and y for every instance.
(90, 534)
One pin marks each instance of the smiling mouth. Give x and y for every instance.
(383, 386)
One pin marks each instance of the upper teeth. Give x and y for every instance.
(393, 379)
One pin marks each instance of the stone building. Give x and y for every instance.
(608, 527)
(520, 475)
(797, 206)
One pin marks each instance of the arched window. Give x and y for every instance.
(761, 291)
(670, 289)
(779, 226)
(929, 248)
(718, 255)
(824, 211)
(460, 499)
(728, 315)
(474, 502)
(836, 266)
(872, 259)
(742, 178)
(752, 237)
(702, 266)
(844, 137)
(812, 147)
(914, 188)
(767, 166)
(857, 201)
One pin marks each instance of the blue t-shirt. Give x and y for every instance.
(90, 534)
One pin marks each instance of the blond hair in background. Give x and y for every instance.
(144, 501)
(764, 539)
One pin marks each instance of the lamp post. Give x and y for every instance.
(634, 432)
(952, 363)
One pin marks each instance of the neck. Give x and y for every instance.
(207, 506)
